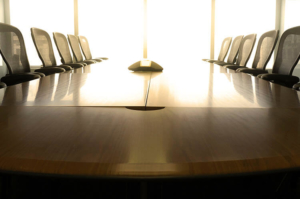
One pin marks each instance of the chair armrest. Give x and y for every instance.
(83, 63)
(66, 67)
(50, 70)
(252, 71)
(89, 62)
(97, 60)
(227, 65)
(77, 65)
(2, 85)
(234, 67)
(285, 80)
(103, 58)
(212, 60)
(297, 87)
(220, 63)
(10, 80)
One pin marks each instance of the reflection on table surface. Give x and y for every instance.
(217, 90)
(205, 85)
(80, 90)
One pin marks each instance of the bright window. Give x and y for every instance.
(49, 15)
(179, 31)
(114, 28)
(236, 17)
(292, 14)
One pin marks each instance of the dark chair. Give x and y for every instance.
(224, 50)
(43, 45)
(287, 58)
(245, 52)
(13, 52)
(2, 85)
(64, 50)
(85, 47)
(233, 52)
(265, 48)
(74, 43)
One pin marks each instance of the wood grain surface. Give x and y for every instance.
(173, 142)
(215, 122)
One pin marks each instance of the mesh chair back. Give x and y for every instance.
(12, 49)
(265, 48)
(234, 49)
(224, 48)
(63, 48)
(246, 49)
(288, 52)
(85, 47)
(75, 47)
(43, 45)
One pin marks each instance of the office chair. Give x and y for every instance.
(74, 43)
(265, 48)
(296, 87)
(2, 85)
(64, 51)
(287, 58)
(233, 52)
(43, 45)
(13, 52)
(224, 50)
(86, 50)
(245, 51)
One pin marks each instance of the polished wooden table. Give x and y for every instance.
(215, 122)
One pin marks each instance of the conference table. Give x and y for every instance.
(106, 122)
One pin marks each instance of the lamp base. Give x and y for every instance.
(145, 65)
